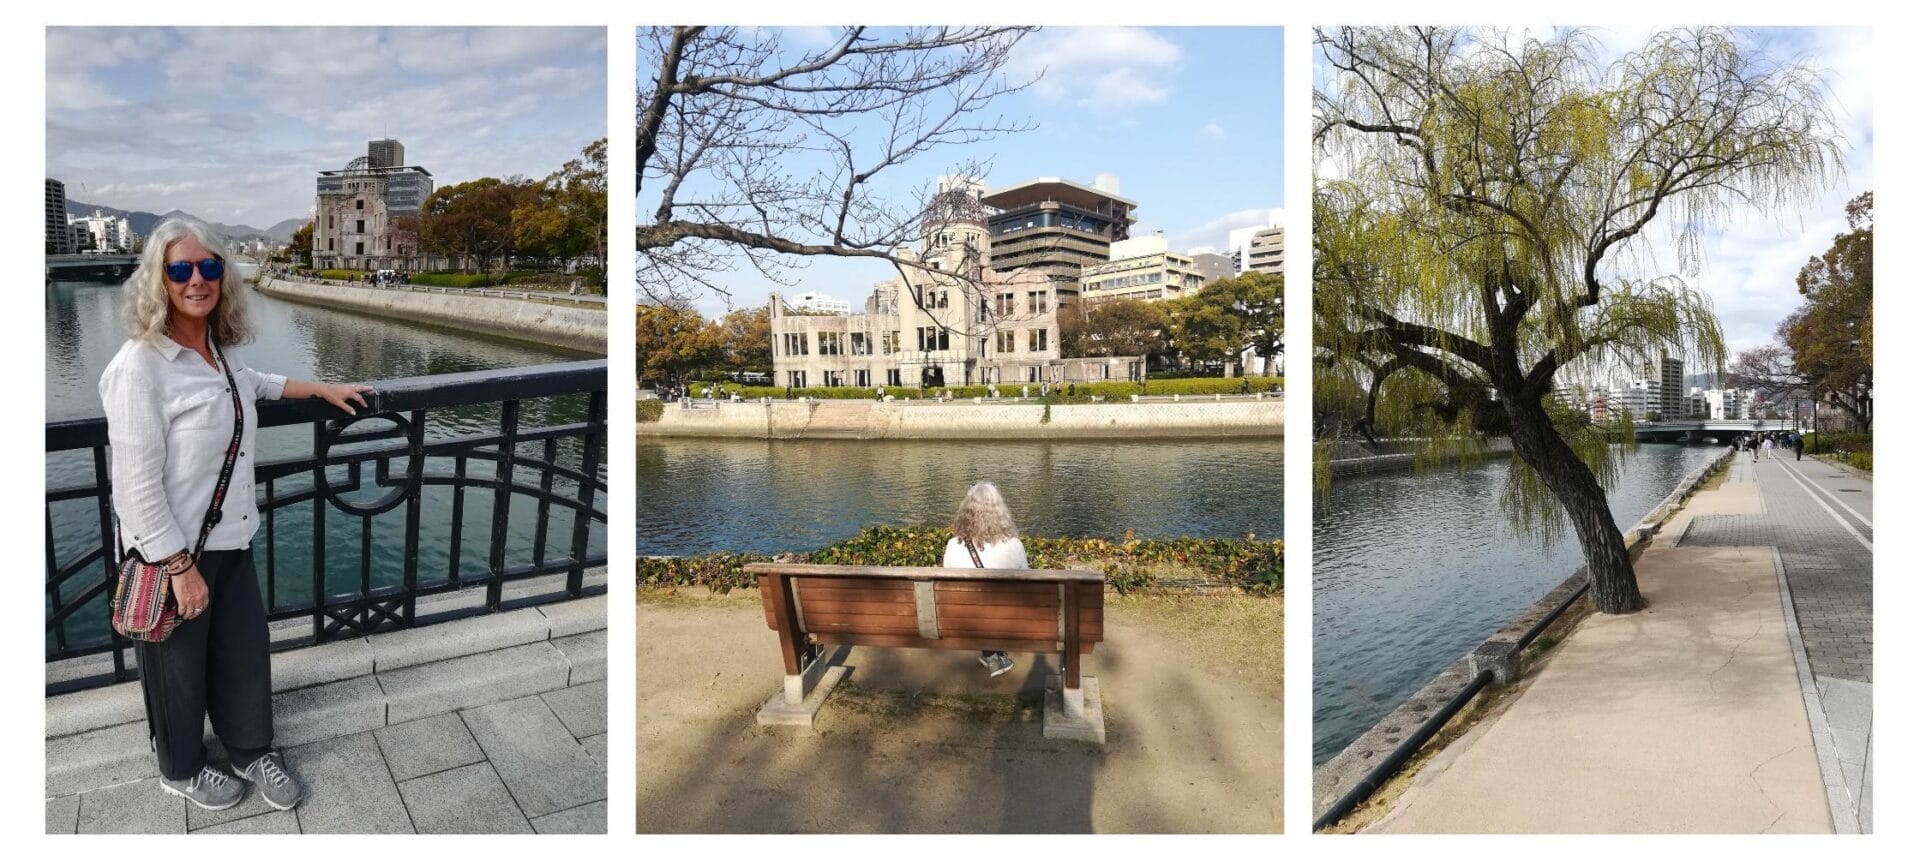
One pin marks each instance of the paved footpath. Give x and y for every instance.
(1699, 714)
(1820, 517)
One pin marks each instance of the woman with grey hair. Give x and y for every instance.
(984, 537)
(181, 422)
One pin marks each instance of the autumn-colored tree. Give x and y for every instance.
(300, 245)
(565, 216)
(1831, 335)
(673, 343)
(1126, 327)
(746, 336)
(473, 220)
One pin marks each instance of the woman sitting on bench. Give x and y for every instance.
(984, 537)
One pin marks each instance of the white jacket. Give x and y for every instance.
(1000, 554)
(169, 420)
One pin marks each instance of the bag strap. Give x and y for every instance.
(233, 451)
(971, 551)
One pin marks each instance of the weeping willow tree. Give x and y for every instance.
(1478, 232)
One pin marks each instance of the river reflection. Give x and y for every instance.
(1411, 571)
(704, 496)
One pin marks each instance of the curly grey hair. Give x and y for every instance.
(148, 305)
(983, 517)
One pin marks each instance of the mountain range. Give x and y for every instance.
(143, 223)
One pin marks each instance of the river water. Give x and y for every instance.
(84, 331)
(765, 496)
(1412, 571)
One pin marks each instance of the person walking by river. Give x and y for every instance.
(984, 537)
(1799, 445)
(1767, 444)
(181, 426)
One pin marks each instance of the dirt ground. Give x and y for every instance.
(922, 741)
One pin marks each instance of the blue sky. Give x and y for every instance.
(232, 124)
(1189, 119)
(1749, 263)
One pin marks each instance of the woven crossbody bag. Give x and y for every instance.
(143, 604)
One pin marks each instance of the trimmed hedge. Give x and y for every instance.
(650, 411)
(1822, 443)
(1110, 390)
(1247, 563)
(466, 281)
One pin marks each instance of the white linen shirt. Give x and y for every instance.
(1000, 554)
(169, 420)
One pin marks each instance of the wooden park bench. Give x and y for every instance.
(812, 607)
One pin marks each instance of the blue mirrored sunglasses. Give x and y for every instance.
(211, 269)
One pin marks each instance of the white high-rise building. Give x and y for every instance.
(1240, 242)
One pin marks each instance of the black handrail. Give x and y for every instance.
(391, 436)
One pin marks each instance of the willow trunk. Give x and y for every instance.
(1570, 481)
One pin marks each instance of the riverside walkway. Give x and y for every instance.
(1737, 702)
(491, 724)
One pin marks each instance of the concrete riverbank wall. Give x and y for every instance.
(874, 420)
(574, 328)
(1332, 779)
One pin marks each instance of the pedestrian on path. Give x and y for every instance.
(181, 423)
(1799, 445)
(984, 537)
(1768, 445)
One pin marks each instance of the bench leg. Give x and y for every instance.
(1075, 714)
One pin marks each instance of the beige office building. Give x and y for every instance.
(1145, 270)
(948, 322)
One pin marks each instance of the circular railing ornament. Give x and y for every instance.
(416, 461)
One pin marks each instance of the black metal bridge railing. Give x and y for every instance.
(385, 452)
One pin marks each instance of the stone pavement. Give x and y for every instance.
(1694, 715)
(1820, 518)
(489, 724)
(535, 764)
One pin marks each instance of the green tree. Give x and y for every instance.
(1484, 232)
(1231, 316)
(673, 343)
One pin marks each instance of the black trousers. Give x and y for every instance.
(214, 666)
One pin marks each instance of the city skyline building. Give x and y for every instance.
(1054, 226)
(1265, 251)
(1240, 240)
(59, 234)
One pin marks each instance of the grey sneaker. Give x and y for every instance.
(280, 789)
(211, 789)
(1001, 664)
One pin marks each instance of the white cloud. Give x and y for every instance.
(250, 114)
(1102, 69)
(1213, 130)
(1214, 232)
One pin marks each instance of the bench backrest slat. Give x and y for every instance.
(835, 604)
